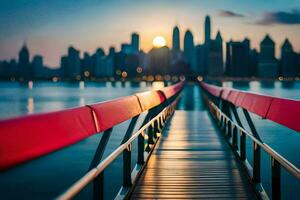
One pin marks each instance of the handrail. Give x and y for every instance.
(280, 110)
(228, 99)
(93, 173)
(285, 163)
(28, 137)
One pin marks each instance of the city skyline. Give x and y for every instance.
(50, 36)
(192, 60)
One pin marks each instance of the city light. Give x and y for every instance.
(124, 74)
(139, 70)
(86, 74)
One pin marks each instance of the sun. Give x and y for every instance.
(159, 41)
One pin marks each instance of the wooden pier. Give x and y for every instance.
(193, 161)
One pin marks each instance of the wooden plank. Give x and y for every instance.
(192, 161)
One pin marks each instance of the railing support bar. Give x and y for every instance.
(256, 149)
(98, 183)
(141, 146)
(236, 115)
(130, 129)
(98, 187)
(100, 149)
(242, 146)
(251, 124)
(276, 191)
(256, 163)
(127, 182)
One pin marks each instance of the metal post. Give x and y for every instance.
(234, 137)
(229, 128)
(256, 163)
(127, 182)
(243, 146)
(276, 191)
(140, 153)
(98, 187)
(98, 183)
(151, 134)
(256, 148)
(141, 141)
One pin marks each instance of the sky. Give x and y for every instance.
(50, 27)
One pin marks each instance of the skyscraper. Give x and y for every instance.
(176, 39)
(135, 41)
(24, 63)
(207, 29)
(71, 64)
(238, 58)
(189, 50)
(159, 60)
(268, 65)
(288, 60)
(38, 65)
(215, 56)
(200, 59)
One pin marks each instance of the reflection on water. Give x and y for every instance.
(81, 85)
(82, 101)
(30, 85)
(30, 105)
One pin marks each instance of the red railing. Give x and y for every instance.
(282, 111)
(28, 137)
(223, 103)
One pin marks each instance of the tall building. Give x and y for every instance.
(215, 56)
(253, 62)
(25, 70)
(99, 63)
(71, 64)
(127, 48)
(9, 69)
(87, 68)
(159, 61)
(207, 28)
(189, 50)
(238, 58)
(38, 66)
(135, 42)
(267, 64)
(288, 60)
(298, 64)
(228, 58)
(201, 59)
(176, 39)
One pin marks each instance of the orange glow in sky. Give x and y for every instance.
(159, 41)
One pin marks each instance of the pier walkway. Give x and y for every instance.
(193, 161)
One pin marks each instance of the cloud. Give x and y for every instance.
(227, 13)
(280, 17)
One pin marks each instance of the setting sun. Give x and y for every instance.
(159, 41)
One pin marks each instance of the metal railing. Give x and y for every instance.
(147, 135)
(49, 132)
(234, 129)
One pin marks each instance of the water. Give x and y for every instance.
(50, 175)
(17, 99)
